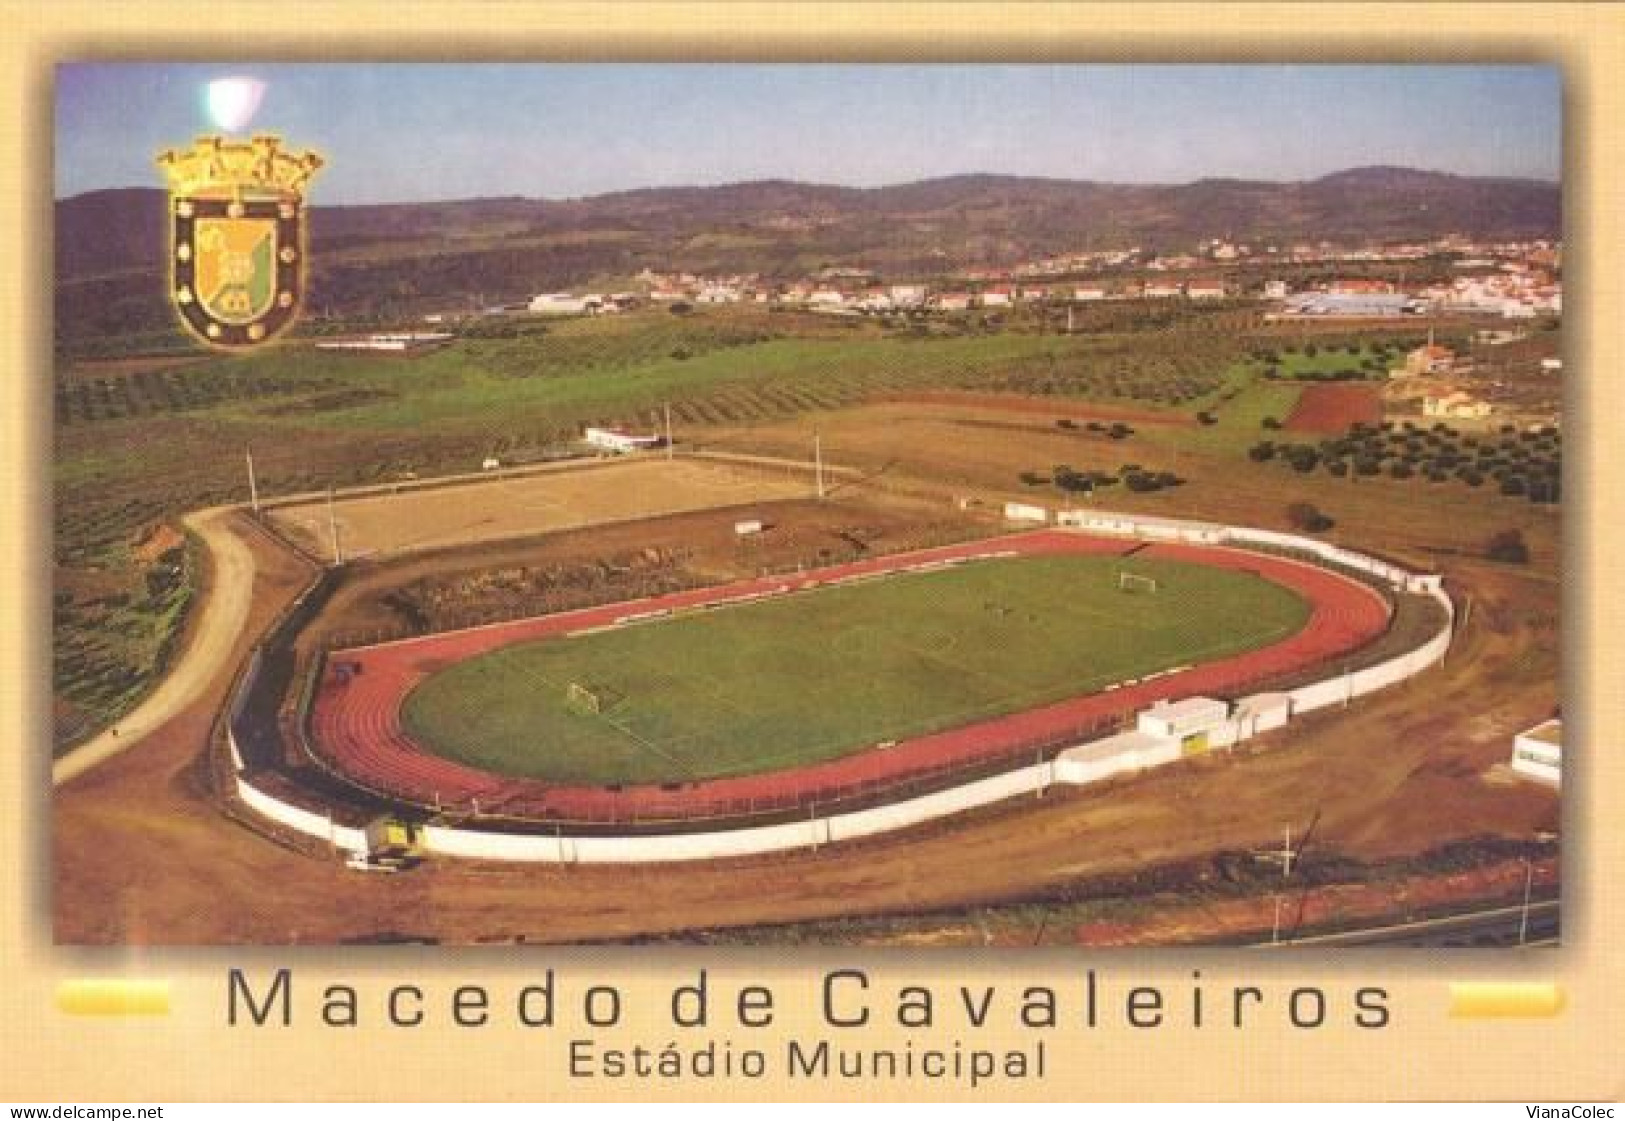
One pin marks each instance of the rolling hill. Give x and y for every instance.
(110, 245)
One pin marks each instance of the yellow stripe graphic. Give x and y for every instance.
(113, 997)
(1499, 1000)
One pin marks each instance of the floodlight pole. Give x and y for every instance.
(333, 528)
(1286, 855)
(1275, 931)
(1528, 887)
(668, 429)
(253, 490)
(818, 460)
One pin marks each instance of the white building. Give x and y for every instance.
(1197, 723)
(397, 341)
(1457, 406)
(1538, 752)
(564, 303)
(618, 440)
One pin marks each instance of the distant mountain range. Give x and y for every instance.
(111, 245)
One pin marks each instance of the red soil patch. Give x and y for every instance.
(157, 541)
(355, 720)
(1330, 409)
(1010, 403)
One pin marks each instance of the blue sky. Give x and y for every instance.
(412, 132)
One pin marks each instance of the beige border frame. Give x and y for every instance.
(1424, 1054)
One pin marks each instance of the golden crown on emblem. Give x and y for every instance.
(215, 165)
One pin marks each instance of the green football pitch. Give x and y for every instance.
(814, 675)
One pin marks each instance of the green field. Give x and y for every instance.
(813, 676)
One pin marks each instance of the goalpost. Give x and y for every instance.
(1133, 582)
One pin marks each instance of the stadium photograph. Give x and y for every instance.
(583, 503)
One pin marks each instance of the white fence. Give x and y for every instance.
(1023, 512)
(1029, 780)
(1081, 765)
(316, 825)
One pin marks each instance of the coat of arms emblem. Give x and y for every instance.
(237, 236)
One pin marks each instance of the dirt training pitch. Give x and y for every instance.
(568, 497)
(356, 719)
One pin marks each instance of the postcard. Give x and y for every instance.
(716, 577)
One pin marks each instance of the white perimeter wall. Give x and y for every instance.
(315, 824)
(1097, 761)
(1022, 512)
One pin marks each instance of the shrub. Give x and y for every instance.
(1507, 546)
(1307, 516)
(1543, 490)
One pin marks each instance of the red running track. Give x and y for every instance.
(356, 723)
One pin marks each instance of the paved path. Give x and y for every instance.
(224, 613)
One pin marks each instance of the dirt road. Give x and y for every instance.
(227, 592)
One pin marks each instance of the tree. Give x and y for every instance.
(1508, 546)
(1307, 516)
